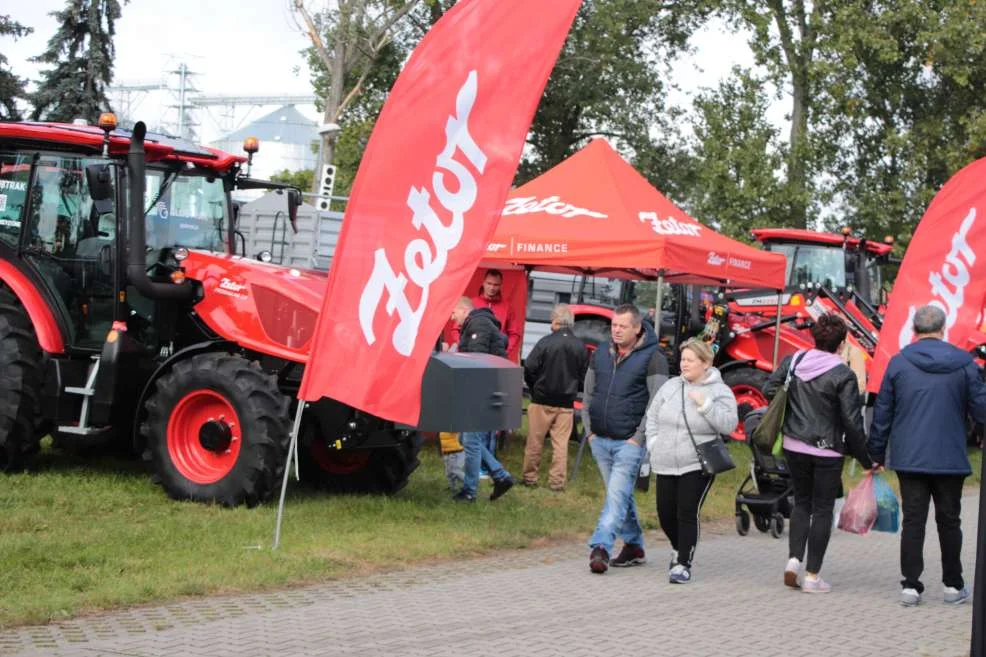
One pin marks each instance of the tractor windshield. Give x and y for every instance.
(815, 264)
(185, 210)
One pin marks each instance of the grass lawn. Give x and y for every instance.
(79, 535)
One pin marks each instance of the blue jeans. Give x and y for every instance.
(475, 444)
(619, 463)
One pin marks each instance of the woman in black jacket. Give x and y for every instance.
(823, 422)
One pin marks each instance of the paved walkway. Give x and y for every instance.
(544, 602)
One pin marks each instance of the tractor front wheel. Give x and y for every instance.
(217, 430)
(747, 386)
(21, 367)
(381, 470)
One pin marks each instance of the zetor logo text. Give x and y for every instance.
(669, 226)
(550, 205)
(423, 263)
(948, 283)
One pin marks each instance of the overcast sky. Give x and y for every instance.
(250, 47)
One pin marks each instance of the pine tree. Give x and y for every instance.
(11, 86)
(81, 54)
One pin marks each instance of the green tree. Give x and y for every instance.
(81, 57)
(902, 94)
(736, 180)
(784, 39)
(300, 179)
(11, 86)
(347, 43)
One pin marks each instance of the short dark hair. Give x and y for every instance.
(493, 272)
(629, 309)
(829, 331)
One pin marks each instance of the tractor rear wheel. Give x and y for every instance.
(217, 430)
(382, 470)
(21, 366)
(747, 386)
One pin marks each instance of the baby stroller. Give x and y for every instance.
(767, 491)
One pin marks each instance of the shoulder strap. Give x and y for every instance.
(795, 360)
(684, 415)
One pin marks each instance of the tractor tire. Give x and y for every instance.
(21, 368)
(747, 386)
(380, 471)
(217, 430)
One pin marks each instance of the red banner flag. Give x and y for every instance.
(427, 198)
(941, 268)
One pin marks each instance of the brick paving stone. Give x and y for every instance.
(544, 602)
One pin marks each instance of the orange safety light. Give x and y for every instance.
(251, 145)
(178, 277)
(847, 231)
(889, 239)
(107, 121)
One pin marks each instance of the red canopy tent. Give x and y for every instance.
(594, 213)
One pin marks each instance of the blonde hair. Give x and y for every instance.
(700, 348)
(464, 302)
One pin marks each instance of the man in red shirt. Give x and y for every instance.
(490, 297)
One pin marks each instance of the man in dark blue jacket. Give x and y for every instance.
(622, 379)
(926, 393)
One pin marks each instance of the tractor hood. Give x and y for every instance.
(264, 307)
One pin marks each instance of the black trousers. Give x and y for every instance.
(817, 482)
(916, 491)
(679, 500)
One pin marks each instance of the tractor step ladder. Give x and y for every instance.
(83, 428)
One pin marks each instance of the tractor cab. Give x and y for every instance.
(841, 264)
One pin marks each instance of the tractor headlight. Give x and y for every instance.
(265, 256)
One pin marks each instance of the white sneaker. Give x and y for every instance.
(674, 560)
(679, 574)
(954, 596)
(910, 597)
(791, 573)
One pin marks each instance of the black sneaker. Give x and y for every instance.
(630, 555)
(501, 486)
(599, 560)
(463, 496)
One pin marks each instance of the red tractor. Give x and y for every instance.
(126, 315)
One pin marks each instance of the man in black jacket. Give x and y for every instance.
(552, 372)
(479, 332)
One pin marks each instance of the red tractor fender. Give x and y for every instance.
(45, 327)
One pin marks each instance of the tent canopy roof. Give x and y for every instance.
(595, 213)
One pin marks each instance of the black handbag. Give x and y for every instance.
(712, 455)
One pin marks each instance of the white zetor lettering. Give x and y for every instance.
(669, 226)
(948, 284)
(424, 261)
(550, 205)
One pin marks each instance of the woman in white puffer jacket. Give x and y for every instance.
(681, 484)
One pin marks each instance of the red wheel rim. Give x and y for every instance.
(748, 398)
(191, 458)
(338, 461)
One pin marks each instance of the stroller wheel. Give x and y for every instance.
(742, 523)
(762, 522)
(777, 525)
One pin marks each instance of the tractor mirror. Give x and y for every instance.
(294, 202)
(100, 181)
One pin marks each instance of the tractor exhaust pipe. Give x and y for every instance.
(137, 239)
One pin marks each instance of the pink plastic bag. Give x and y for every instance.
(859, 512)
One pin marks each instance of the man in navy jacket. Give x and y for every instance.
(927, 391)
(622, 379)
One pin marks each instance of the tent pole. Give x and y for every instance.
(291, 455)
(659, 301)
(777, 328)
